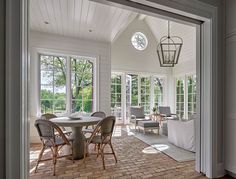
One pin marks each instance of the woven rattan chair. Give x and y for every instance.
(49, 116)
(106, 127)
(46, 130)
(100, 114)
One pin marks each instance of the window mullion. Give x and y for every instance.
(139, 90)
(186, 97)
(68, 85)
(53, 85)
(152, 95)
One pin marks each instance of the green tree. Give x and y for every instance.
(81, 78)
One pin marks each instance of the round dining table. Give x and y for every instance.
(76, 124)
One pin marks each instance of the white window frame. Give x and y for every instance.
(185, 78)
(122, 100)
(68, 56)
(140, 74)
(192, 74)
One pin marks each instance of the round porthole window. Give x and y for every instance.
(139, 41)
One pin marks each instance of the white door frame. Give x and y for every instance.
(17, 123)
(191, 12)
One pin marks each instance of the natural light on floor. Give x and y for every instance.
(160, 147)
(150, 150)
(129, 131)
(117, 131)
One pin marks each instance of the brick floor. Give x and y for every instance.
(135, 160)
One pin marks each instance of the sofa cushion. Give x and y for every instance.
(137, 111)
(148, 123)
(165, 110)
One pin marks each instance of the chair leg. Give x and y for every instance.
(39, 158)
(98, 150)
(85, 152)
(102, 154)
(55, 153)
(113, 152)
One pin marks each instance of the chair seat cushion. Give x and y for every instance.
(58, 141)
(148, 123)
(98, 140)
(88, 130)
(141, 119)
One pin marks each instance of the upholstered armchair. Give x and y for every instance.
(166, 113)
(137, 114)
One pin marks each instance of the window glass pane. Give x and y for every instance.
(134, 90)
(116, 95)
(46, 77)
(52, 84)
(158, 91)
(82, 86)
(145, 94)
(191, 94)
(180, 97)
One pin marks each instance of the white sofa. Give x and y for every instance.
(182, 134)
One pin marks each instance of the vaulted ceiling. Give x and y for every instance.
(94, 21)
(78, 18)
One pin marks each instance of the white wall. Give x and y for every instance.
(187, 67)
(124, 57)
(67, 45)
(230, 88)
(159, 28)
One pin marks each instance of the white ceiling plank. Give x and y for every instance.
(51, 16)
(105, 26)
(64, 16)
(118, 25)
(116, 32)
(38, 16)
(74, 18)
(32, 18)
(83, 27)
(102, 16)
(77, 17)
(57, 13)
(44, 15)
(71, 16)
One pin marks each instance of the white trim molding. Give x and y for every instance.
(211, 74)
(35, 77)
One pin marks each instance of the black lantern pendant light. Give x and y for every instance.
(168, 50)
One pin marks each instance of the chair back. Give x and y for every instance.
(100, 114)
(48, 116)
(107, 125)
(137, 111)
(46, 130)
(165, 110)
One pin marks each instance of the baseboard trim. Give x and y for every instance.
(220, 170)
(231, 174)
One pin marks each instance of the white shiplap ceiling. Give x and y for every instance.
(76, 18)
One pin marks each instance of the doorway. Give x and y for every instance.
(206, 89)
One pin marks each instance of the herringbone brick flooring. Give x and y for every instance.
(135, 160)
